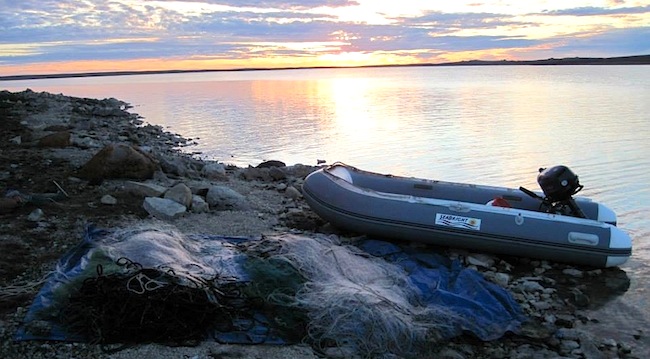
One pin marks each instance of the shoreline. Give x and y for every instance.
(555, 297)
(575, 61)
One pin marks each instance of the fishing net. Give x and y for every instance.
(370, 299)
(155, 285)
(354, 301)
(148, 305)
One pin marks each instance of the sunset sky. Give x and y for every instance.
(47, 36)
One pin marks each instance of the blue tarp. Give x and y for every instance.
(484, 309)
(480, 307)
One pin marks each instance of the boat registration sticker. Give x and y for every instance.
(451, 220)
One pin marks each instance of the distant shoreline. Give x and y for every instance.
(624, 60)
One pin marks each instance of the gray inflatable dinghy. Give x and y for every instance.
(516, 222)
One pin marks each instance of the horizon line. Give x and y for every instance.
(619, 60)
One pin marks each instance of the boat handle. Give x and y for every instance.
(583, 238)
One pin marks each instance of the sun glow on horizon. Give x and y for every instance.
(69, 36)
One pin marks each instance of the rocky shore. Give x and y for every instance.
(67, 162)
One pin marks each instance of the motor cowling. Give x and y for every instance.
(559, 183)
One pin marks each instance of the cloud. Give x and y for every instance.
(42, 31)
(599, 11)
(270, 4)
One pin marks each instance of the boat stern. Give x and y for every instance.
(619, 240)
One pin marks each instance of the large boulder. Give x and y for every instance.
(119, 161)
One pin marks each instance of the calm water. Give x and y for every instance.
(488, 125)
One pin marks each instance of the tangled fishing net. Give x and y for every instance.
(157, 285)
(355, 302)
(151, 285)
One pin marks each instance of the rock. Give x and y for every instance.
(9, 204)
(568, 345)
(541, 305)
(108, 109)
(609, 342)
(215, 171)
(200, 188)
(299, 170)
(118, 161)
(36, 215)
(16, 140)
(531, 286)
(108, 200)
(568, 334)
(85, 142)
(565, 320)
(502, 279)
(550, 318)
(55, 140)
(180, 194)
(535, 331)
(625, 348)
(616, 281)
(222, 198)
(175, 166)
(573, 272)
(272, 163)
(277, 174)
(144, 189)
(254, 173)
(589, 347)
(480, 260)
(580, 299)
(163, 208)
(199, 205)
(292, 192)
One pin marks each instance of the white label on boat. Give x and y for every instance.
(451, 220)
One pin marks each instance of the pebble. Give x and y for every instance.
(107, 199)
(36, 215)
(573, 272)
(502, 279)
(609, 342)
(530, 286)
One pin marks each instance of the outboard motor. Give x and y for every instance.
(559, 184)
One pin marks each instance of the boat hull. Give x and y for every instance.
(340, 196)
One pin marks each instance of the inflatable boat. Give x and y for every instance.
(551, 225)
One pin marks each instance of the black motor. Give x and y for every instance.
(559, 183)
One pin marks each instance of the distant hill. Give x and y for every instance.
(625, 60)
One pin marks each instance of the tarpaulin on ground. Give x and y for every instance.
(156, 285)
